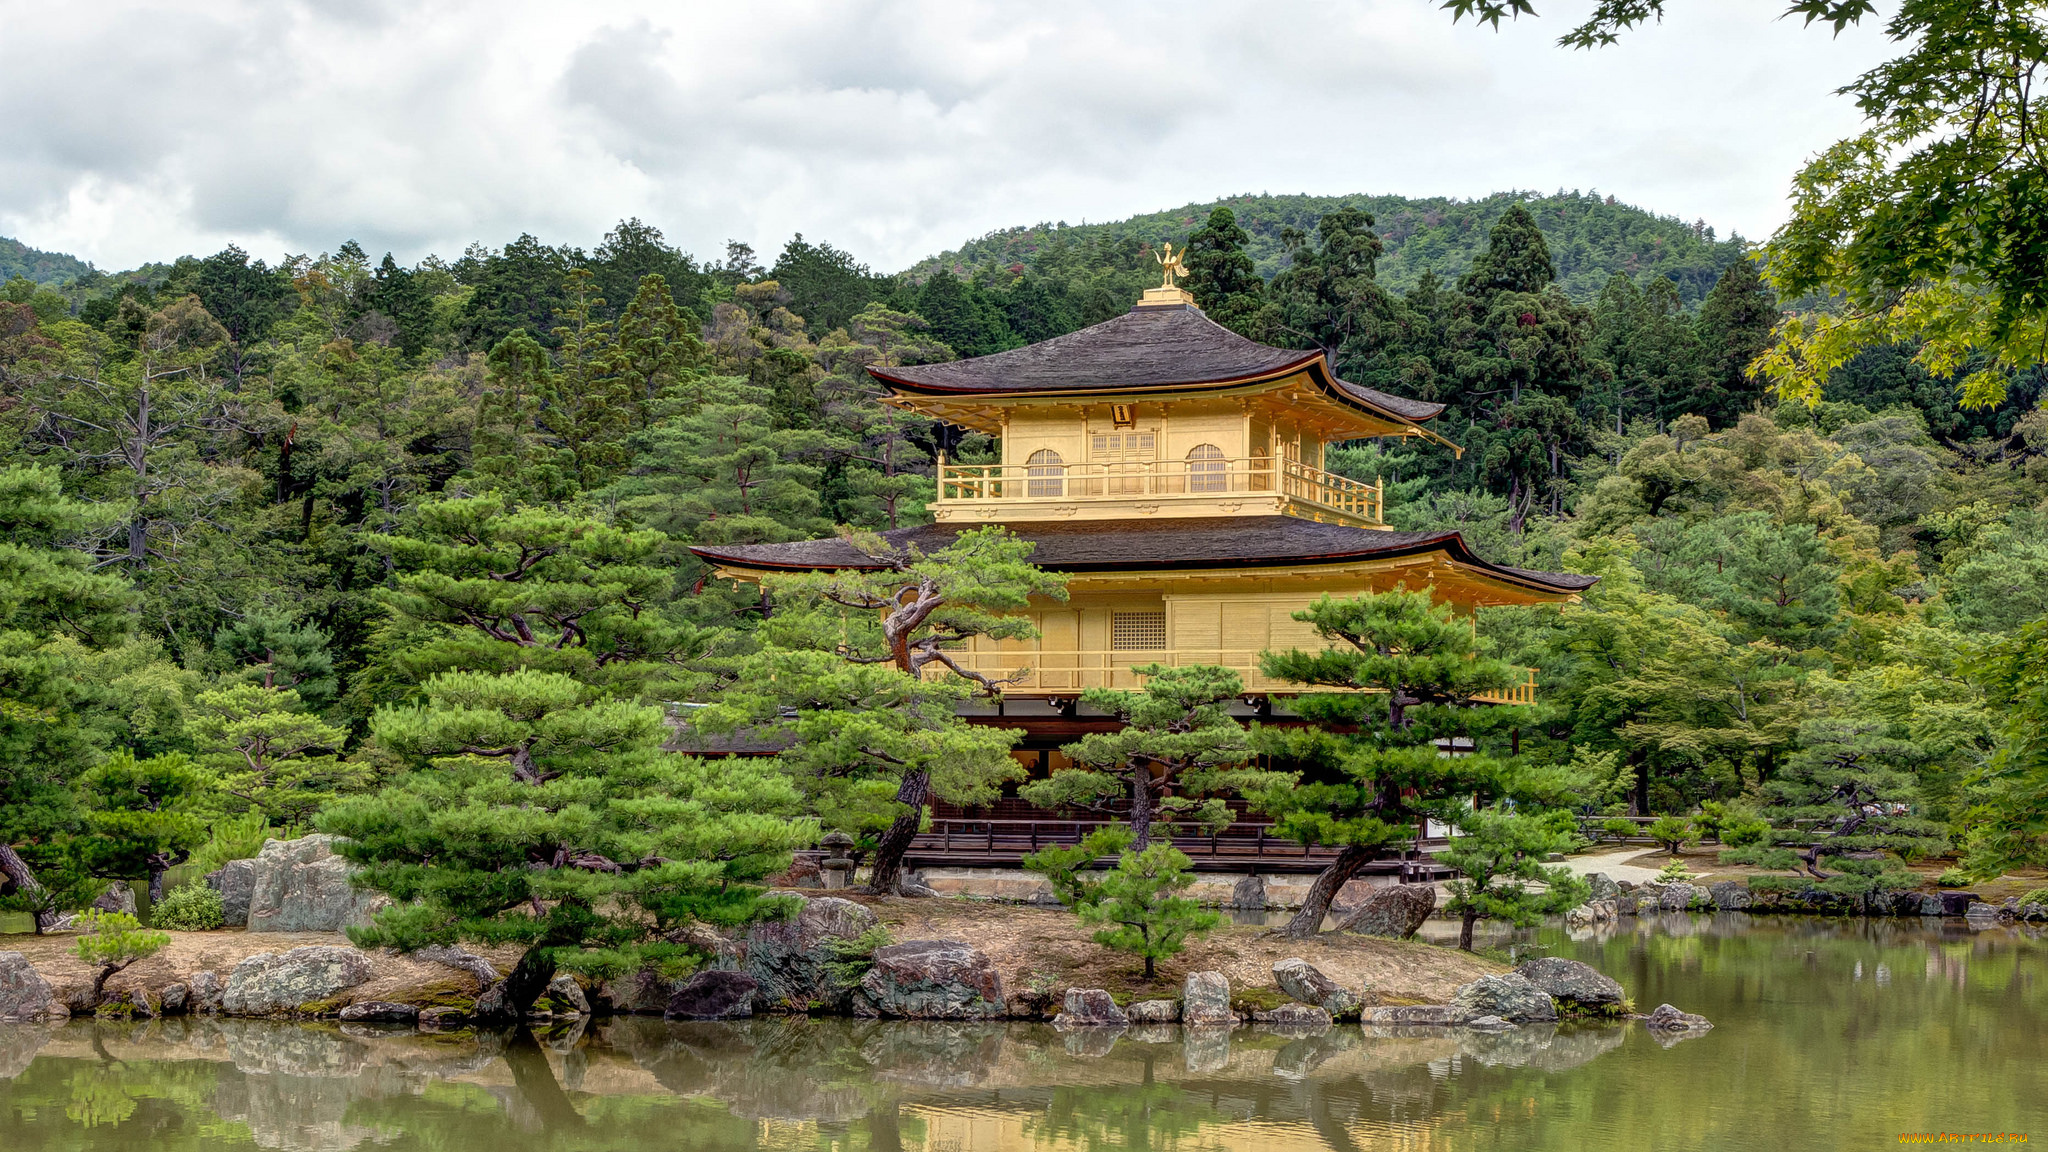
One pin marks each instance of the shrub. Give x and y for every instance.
(1140, 900)
(2037, 896)
(1745, 832)
(1618, 828)
(234, 838)
(1674, 832)
(1675, 873)
(193, 907)
(111, 941)
(1953, 878)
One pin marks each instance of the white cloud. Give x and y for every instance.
(892, 129)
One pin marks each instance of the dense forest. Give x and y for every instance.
(256, 511)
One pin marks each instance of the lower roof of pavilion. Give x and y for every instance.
(1222, 545)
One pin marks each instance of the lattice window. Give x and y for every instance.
(1207, 469)
(1044, 474)
(1123, 447)
(1137, 631)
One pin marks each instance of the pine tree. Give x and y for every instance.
(886, 710)
(658, 348)
(1141, 901)
(1843, 804)
(532, 814)
(1498, 854)
(1411, 670)
(266, 754)
(1178, 742)
(484, 584)
(142, 817)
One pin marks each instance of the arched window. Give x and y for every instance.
(1208, 471)
(1044, 474)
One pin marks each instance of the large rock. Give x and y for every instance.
(1730, 895)
(1593, 912)
(1153, 1012)
(1669, 1019)
(931, 980)
(1249, 894)
(1293, 1016)
(1306, 983)
(381, 1012)
(1602, 886)
(714, 994)
(1205, 1000)
(1510, 996)
(1680, 897)
(787, 958)
(565, 996)
(455, 957)
(1573, 983)
(1396, 910)
(1411, 1015)
(236, 883)
(1089, 1008)
(300, 980)
(206, 992)
(302, 886)
(24, 994)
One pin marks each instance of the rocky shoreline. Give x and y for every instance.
(1613, 899)
(811, 964)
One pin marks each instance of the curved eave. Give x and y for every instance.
(1451, 544)
(1313, 364)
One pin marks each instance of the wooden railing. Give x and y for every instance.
(1163, 479)
(1054, 671)
(1239, 847)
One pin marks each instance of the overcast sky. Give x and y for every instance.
(132, 132)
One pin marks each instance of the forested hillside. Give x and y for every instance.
(1591, 237)
(249, 506)
(18, 259)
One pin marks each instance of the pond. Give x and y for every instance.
(1830, 1034)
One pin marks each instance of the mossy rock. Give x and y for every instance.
(1247, 1000)
(331, 1006)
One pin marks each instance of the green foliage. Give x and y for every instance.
(532, 814)
(142, 816)
(1498, 855)
(1673, 833)
(1178, 743)
(268, 756)
(193, 907)
(2011, 829)
(1072, 871)
(1953, 878)
(848, 959)
(111, 941)
(2037, 896)
(233, 838)
(1674, 873)
(1140, 902)
(1619, 829)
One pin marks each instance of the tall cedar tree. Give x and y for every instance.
(905, 609)
(532, 813)
(1411, 670)
(1178, 742)
(1221, 275)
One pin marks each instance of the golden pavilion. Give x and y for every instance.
(1173, 469)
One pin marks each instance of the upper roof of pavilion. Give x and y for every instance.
(1151, 349)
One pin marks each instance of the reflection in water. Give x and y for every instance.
(1830, 1034)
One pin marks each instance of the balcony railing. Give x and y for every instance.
(1055, 672)
(1161, 479)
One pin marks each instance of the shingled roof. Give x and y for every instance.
(1193, 542)
(1145, 349)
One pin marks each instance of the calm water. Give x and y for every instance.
(1831, 1035)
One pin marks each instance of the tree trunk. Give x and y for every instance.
(913, 793)
(529, 978)
(1316, 905)
(1465, 930)
(1141, 808)
(156, 885)
(24, 880)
